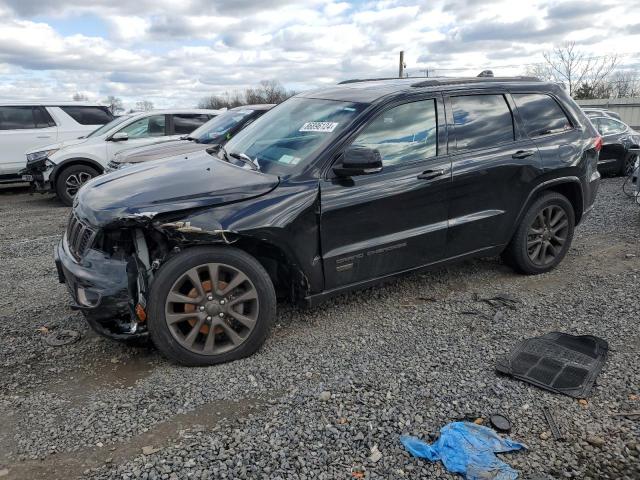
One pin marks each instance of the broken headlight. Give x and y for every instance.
(41, 155)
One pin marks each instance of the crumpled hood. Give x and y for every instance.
(155, 151)
(167, 185)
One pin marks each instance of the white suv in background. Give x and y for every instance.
(64, 167)
(28, 125)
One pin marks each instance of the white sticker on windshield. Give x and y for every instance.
(324, 127)
(289, 159)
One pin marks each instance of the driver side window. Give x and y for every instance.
(153, 126)
(403, 134)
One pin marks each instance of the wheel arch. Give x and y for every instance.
(289, 280)
(569, 187)
(60, 167)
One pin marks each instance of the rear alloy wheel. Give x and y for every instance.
(211, 305)
(543, 236)
(71, 179)
(629, 164)
(547, 235)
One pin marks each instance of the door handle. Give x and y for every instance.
(523, 154)
(43, 136)
(431, 174)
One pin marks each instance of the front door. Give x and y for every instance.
(144, 131)
(394, 220)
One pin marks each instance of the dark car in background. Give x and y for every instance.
(601, 112)
(332, 190)
(617, 139)
(218, 130)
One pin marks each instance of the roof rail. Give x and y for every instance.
(458, 81)
(359, 80)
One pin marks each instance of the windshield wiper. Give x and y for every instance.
(218, 147)
(246, 159)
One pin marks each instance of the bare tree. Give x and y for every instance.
(226, 100)
(144, 105)
(114, 104)
(267, 91)
(80, 97)
(624, 83)
(575, 69)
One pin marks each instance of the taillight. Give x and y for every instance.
(598, 145)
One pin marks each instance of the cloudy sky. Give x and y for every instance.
(175, 52)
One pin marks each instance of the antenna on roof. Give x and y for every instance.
(486, 73)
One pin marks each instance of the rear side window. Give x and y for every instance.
(481, 121)
(541, 114)
(403, 134)
(42, 118)
(185, 123)
(88, 115)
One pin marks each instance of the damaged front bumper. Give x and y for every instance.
(37, 173)
(104, 289)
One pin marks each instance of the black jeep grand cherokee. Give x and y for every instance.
(331, 190)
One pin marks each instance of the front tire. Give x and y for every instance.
(71, 179)
(543, 236)
(210, 305)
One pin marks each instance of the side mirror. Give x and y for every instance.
(119, 137)
(358, 160)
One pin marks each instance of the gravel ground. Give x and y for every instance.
(331, 383)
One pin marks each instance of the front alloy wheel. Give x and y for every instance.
(71, 179)
(211, 309)
(210, 305)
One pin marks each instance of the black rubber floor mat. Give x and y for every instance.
(558, 362)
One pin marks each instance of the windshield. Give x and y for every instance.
(214, 128)
(108, 126)
(285, 138)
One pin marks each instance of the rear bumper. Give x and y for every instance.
(99, 287)
(591, 192)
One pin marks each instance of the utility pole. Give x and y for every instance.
(402, 65)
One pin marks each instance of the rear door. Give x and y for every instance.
(386, 222)
(23, 128)
(492, 167)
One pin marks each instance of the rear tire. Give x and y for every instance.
(226, 318)
(628, 164)
(543, 236)
(71, 179)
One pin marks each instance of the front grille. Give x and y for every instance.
(79, 236)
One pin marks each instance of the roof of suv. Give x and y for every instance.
(256, 106)
(50, 103)
(369, 90)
